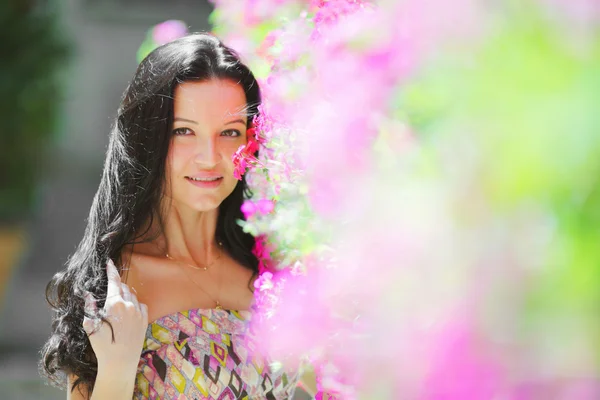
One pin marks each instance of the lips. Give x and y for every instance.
(205, 181)
(204, 177)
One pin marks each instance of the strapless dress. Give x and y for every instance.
(207, 354)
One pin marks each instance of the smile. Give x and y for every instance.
(204, 179)
(206, 182)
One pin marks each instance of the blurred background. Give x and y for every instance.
(65, 65)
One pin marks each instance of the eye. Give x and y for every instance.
(231, 133)
(182, 132)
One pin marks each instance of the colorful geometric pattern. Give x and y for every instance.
(201, 354)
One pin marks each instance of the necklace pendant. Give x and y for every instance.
(218, 306)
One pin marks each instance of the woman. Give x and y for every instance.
(163, 245)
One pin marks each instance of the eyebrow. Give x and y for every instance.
(239, 120)
(185, 120)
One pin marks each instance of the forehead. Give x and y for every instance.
(216, 99)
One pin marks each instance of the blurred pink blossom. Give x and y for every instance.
(168, 31)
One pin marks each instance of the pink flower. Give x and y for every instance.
(245, 155)
(262, 125)
(238, 155)
(240, 162)
(261, 249)
(264, 281)
(251, 146)
(248, 209)
(267, 44)
(253, 139)
(329, 12)
(265, 206)
(168, 31)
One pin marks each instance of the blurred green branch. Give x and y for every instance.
(33, 51)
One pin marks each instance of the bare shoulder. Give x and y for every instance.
(158, 284)
(143, 270)
(149, 279)
(167, 287)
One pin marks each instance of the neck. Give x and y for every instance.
(189, 235)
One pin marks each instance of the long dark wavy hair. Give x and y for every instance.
(131, 189)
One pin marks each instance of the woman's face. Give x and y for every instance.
(209, 126)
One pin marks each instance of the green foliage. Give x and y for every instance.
(33, 52)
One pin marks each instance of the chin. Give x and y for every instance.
(206, 204)
(207, 201)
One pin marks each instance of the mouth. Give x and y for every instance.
(207, 179)
(206, 182)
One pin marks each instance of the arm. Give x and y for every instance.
(105, 388)
(118, 347)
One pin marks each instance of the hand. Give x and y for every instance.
(129, 320)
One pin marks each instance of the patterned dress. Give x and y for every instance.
(201, 354)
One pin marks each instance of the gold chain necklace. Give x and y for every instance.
(205, 268)
(218, 305)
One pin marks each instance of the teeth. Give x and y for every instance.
(204, 179)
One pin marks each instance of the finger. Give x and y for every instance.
(114, 280)
(144, 310)
(134, 297)
(135, 300)
(125, 292)
(90, 305)
(90, 325)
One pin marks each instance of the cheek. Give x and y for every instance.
(176, 159)
(173, 170)
(229, 150)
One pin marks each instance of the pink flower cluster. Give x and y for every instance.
(262, 250)
(168, 31)
(246, 155)
(411, 279)
(262, 206)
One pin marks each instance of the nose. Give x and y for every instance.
(207, 153)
